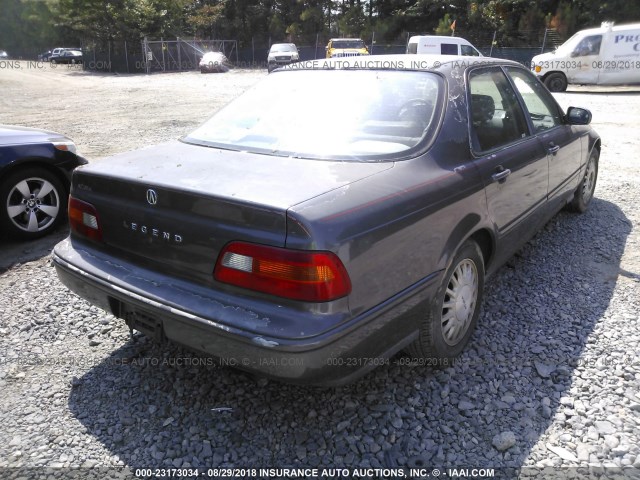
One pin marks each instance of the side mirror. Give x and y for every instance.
(578, 116)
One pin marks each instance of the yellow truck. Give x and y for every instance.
(346, 47)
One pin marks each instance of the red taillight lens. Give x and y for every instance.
(84, 219)
(295, 274)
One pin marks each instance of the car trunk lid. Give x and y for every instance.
(173, 207)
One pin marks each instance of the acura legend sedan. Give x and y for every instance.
(309, 239)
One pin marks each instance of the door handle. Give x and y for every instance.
(553, 149)
(501, 175)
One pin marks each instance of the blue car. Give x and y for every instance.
(35, 174)
(312, 243)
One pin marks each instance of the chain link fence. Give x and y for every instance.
(181, 54)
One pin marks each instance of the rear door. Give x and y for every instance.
(563, 147)
(512, 162)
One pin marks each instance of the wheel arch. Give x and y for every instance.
(485, 241)
(470, 228)
(546, 75)
(595, 144)
(36, 162)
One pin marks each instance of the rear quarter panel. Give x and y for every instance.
(393, 229)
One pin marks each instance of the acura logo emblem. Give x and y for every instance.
(152, 197)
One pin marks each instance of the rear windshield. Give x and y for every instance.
(333, 114)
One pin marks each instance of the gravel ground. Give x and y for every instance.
(551, 378)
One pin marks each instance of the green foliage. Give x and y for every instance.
(32, 25)
(444, 25)
(27, 27)
(206, 18)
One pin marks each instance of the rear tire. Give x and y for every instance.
(453, 314)
(556, 82)
(584, 193)
(32, 203)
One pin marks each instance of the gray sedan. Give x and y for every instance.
(310, 236)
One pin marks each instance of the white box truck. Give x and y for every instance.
(609, 55)
(441, 45)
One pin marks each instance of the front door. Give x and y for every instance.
(563, 148)
(512, 162)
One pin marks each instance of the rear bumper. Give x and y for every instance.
(337, 356)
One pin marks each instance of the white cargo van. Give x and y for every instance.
(441, 45)
(609, 55)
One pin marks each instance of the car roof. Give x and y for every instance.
(421, 62)
(441, 37)
(606, 28)
(343, 38)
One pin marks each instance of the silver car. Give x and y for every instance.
(282, 54)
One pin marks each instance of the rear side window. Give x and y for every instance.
(496, 116)
(412, 48)
(542, 108)
(449, 49)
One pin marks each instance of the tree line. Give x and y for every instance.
(32, 25)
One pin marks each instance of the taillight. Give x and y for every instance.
(84, 219)
(295, 274)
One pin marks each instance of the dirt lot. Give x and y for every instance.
(108, 113)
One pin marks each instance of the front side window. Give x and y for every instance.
(588, 46)
(370, 115)
(542, 108)
(496, 116)
(412, 48)
(469, 51)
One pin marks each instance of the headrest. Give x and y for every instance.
(482, 107)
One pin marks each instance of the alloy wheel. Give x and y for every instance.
(33, 204)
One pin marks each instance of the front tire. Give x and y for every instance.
(584, 193)
(556, 82)
(32, 203)
(453, 314)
